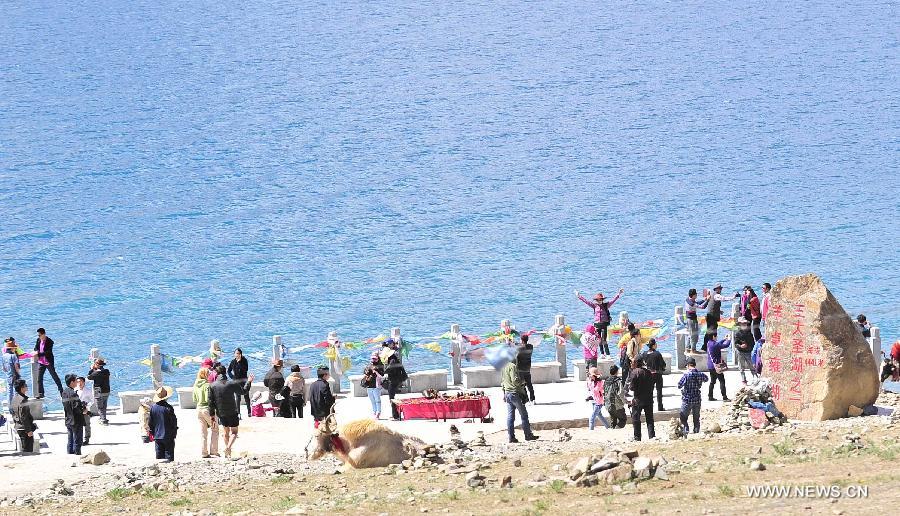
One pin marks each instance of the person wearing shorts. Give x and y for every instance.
(223, 396)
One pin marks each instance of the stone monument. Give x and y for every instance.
(817, 360)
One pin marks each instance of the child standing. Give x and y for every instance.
(595, 385)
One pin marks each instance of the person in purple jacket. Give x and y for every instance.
(714, 356)
(601, 315)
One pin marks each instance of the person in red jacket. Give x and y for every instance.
(753, 312)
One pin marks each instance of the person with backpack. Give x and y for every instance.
(614, 398)
(523, 362)
(274, 380)
(657, 367)
(716, 365)
(74, 416)
(602, 317)
(396, 374)
(690, 384)
(743, 344)
(595, 386)
(163, 424)
(641, 383)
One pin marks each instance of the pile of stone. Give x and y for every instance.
(738, 419)
(614, 467)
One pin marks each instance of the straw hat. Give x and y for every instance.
(162, 393)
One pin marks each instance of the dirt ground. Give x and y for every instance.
(708, 476)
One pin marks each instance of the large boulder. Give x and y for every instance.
(819, 363)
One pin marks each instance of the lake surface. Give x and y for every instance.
(172, 173)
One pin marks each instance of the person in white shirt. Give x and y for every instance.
(714, 310)
(86, 395)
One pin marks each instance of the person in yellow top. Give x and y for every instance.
(631, 350)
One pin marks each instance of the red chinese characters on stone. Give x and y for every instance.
(776, 392)
(774, 364)
(797, 364)
(776, 338)
(775, 312)
(795, 393)
(797, 346)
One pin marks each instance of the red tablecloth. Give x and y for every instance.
(445, 409)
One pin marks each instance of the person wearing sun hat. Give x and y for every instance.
(714, 308)
(601, 315)
(163, 424)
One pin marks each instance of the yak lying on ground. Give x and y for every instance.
(362, 444)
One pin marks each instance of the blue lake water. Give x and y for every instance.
(172, 173)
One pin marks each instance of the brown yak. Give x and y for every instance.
(362, 444)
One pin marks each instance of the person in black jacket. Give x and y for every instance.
(74, 411)
(523, 362)
(238, 369)
(274, 380)
(396, 374)
(223, 402)
(44, 349)
(321, 399)
(100, 376)
(22, 417)
(163, 424)
(657, 367)
(642, 385)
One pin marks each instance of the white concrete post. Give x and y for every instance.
(560, 323)
(156, 366)
(680, 339)
(277, 348)
(334, 365)
(455, 355)
(875, 341)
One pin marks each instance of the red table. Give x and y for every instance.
(420, 408)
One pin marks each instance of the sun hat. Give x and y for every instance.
(162, 393)
(718, 286)
(599, 296)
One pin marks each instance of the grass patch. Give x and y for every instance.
(282, 479)
(284, 503)
(119, 493)
(784, 447)
(151, 492)
(557, 485)
(180, 502)
(726, 491)
(541, 505)
(452, 495)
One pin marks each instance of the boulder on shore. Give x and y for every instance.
(817, 360)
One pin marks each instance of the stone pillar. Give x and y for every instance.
(680, 339)
(455, 355)
(560, 323)
(156, 366)
(875, 342)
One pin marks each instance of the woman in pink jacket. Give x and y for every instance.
(595, 385)
(601, 315)
(589, 344)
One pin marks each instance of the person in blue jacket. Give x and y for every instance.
(163, 424)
